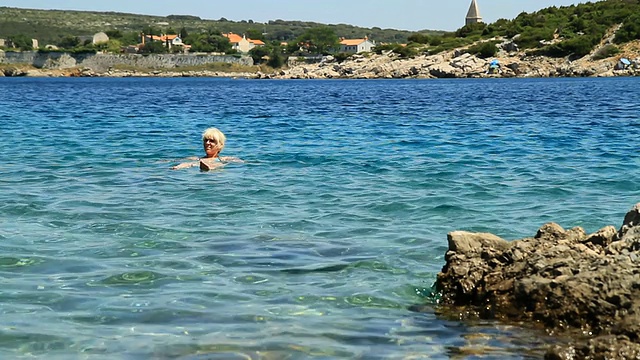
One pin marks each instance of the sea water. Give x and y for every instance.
(320, 242)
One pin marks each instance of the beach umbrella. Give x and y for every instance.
(494, 62)
(625, 61)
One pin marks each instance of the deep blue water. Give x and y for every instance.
(316, 246)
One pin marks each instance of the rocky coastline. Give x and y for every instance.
(451, 64)
(567, 282)
(459, 64)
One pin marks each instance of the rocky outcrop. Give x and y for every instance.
(456, 64)
(567, 281)
(451, 64)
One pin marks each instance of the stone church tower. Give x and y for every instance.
(473, 16)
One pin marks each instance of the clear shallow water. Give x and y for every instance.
(318, 244)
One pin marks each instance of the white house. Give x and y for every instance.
(355, 46)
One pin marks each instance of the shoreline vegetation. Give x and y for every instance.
(387, 65)
(595, 39)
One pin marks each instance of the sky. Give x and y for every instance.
(410, 15)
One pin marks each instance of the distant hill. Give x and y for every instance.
(49, 26)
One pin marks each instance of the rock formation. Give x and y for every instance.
(457, 64)
(388, 65)
(567, 281)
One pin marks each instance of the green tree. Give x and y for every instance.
(254, 34)
(258, 53)
(576, 47)
(130, 38)
(183, 33)
(487, 50)
(114, 34)
(150, 30)
(320, 40)
(22, 42)
(471, 29)
(276, 60)
(68, 42)
(629, 31)
(211, 41)
(113, 46)
(419, 38)
(153, 47)
(283, 34)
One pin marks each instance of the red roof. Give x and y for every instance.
(235, 38)
(352, 42)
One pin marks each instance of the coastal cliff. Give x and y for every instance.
(565, 281)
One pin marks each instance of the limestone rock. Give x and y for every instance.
(564, 280)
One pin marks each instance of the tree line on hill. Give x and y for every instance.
(568, 31)
(571, 31)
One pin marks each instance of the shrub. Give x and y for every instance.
(576, 47)
(532, 38)
(484, 50)
(405, 51)
(258, 53)
(629, 31)
(471, 29)
(606, 51)
(488, 49)
(83, 50)
(340, 57)
(435, 41)
(379, 49)
(419, 38)
(275, 60)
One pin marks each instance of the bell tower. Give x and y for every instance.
(473, 15)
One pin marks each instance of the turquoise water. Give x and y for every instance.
(316, 246)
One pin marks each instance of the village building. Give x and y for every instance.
(7, 43)
(242, 43)
(473, 15)
(169, 41)
(354, 46)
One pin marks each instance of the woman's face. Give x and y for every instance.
(211, 147)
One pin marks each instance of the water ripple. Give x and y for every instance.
(316, 246)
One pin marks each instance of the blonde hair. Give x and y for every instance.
(214, 134)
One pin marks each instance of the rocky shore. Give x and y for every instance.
(457, 64)
(451, 64)
(584, 286)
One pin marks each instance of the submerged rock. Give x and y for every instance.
(566, 281)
